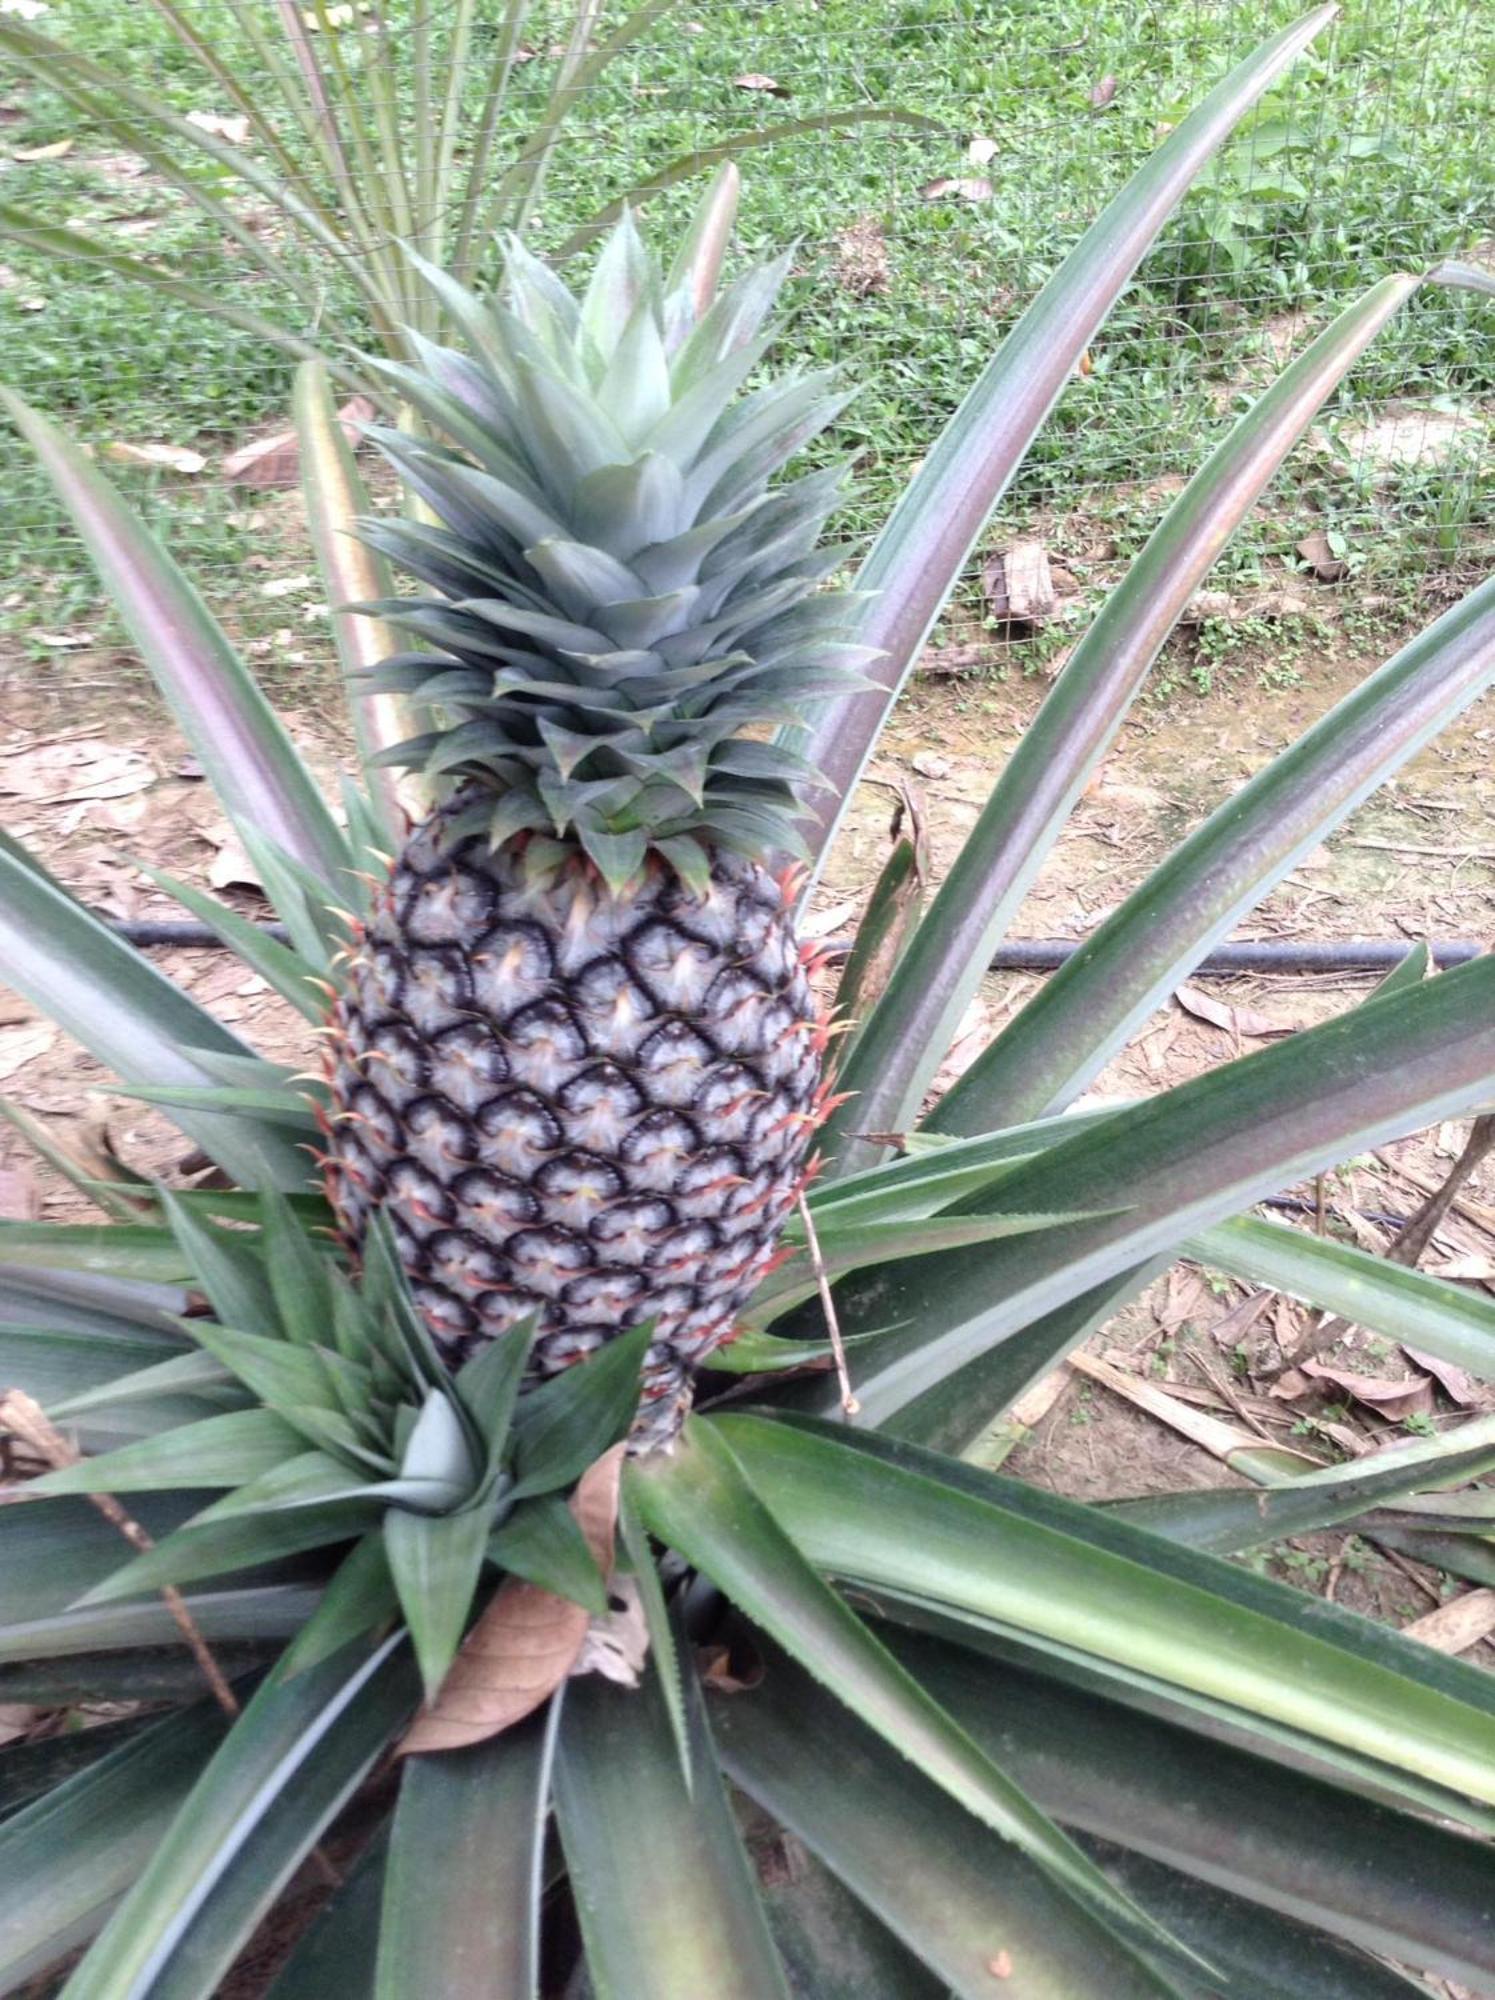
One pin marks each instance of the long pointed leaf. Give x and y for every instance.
(240, 741)
(699, 1501)
(955, 1893)
(461, 1908)
(66, 1859)
(904, 1041)
(112, 1000)
(1380, 1878)
(295, 1755)
(889, 1516)
(354, 573)
(914, 563)
(1126, 968)
(627, 1823)
(1193, 1156)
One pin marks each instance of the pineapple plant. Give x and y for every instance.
(576, 1058)
(1018, 1740)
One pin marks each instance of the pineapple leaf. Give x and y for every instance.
(541, 1541)
(487, 1385)
(902, 1043)
(701, 1502)
(230, 1450)
(300, 1274)
(226, 1265)
(67, 1856)
(278, 966)
(359, 1600)
(466, 1870)
(567, 1423)
(1052, 1049)
(989, 1552)
(664, 1650)
(297, 1753)
(111, 999)
(945, 1885)
(219, 1547)
(924, 545)
(255, 768)
(625, 1813)
(435, 1561)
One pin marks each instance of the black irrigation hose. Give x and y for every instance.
(1021, 954)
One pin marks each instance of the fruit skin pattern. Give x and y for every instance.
(591, 1108)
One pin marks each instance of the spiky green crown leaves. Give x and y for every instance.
(623, 596)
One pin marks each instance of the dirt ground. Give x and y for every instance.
(97, 787)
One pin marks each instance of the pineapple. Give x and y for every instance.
(577, 1060)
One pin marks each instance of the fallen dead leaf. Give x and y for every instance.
(1458, 1385)
(235, 130)
(276, 461)
(965, 187)
(17, 1718)
(231, 866)
(1456, 1626)
(1393, 1396)
(980, 150)
(173, 457)
(825, 923)
(62, 641)
(1018, 584)
(286, 586)
(1185, 1297)
(21, 1045)
(717, 1670)
(527, 1641)
(1223, 1014)
(56, 151)
(20, 1194)
(753, 80)
(1321, 559)
(1102, 93)
(929, 764)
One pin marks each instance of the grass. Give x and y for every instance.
(1370, 157)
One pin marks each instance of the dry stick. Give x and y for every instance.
(1412, 847)
(849, 1402)
(29, 1422)
(1413, 1239)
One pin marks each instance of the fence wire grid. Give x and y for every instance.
(918, 244)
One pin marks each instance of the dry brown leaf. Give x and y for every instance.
(1456, 1626)
(1103, 92)
(1223, 1014)
(526, 1642)
(20, 1196)
(53, 152)
(21, 1045)
(1321, 559)
(1019, 585)
(753, 80)
(981, 150)
(1394, 1396)
(965, 187)
(1469, 1268)
(173, 457)
(17, 1719)
(276, 461)
(930, 764)
(1458, 1385)
(825, 923)
(1221, 1440)
(235, 130)
(1184, 1298)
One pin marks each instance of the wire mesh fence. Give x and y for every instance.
(932, 159)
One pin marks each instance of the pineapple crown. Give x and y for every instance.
(624, 594)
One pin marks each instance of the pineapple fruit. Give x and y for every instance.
(576, 1059)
